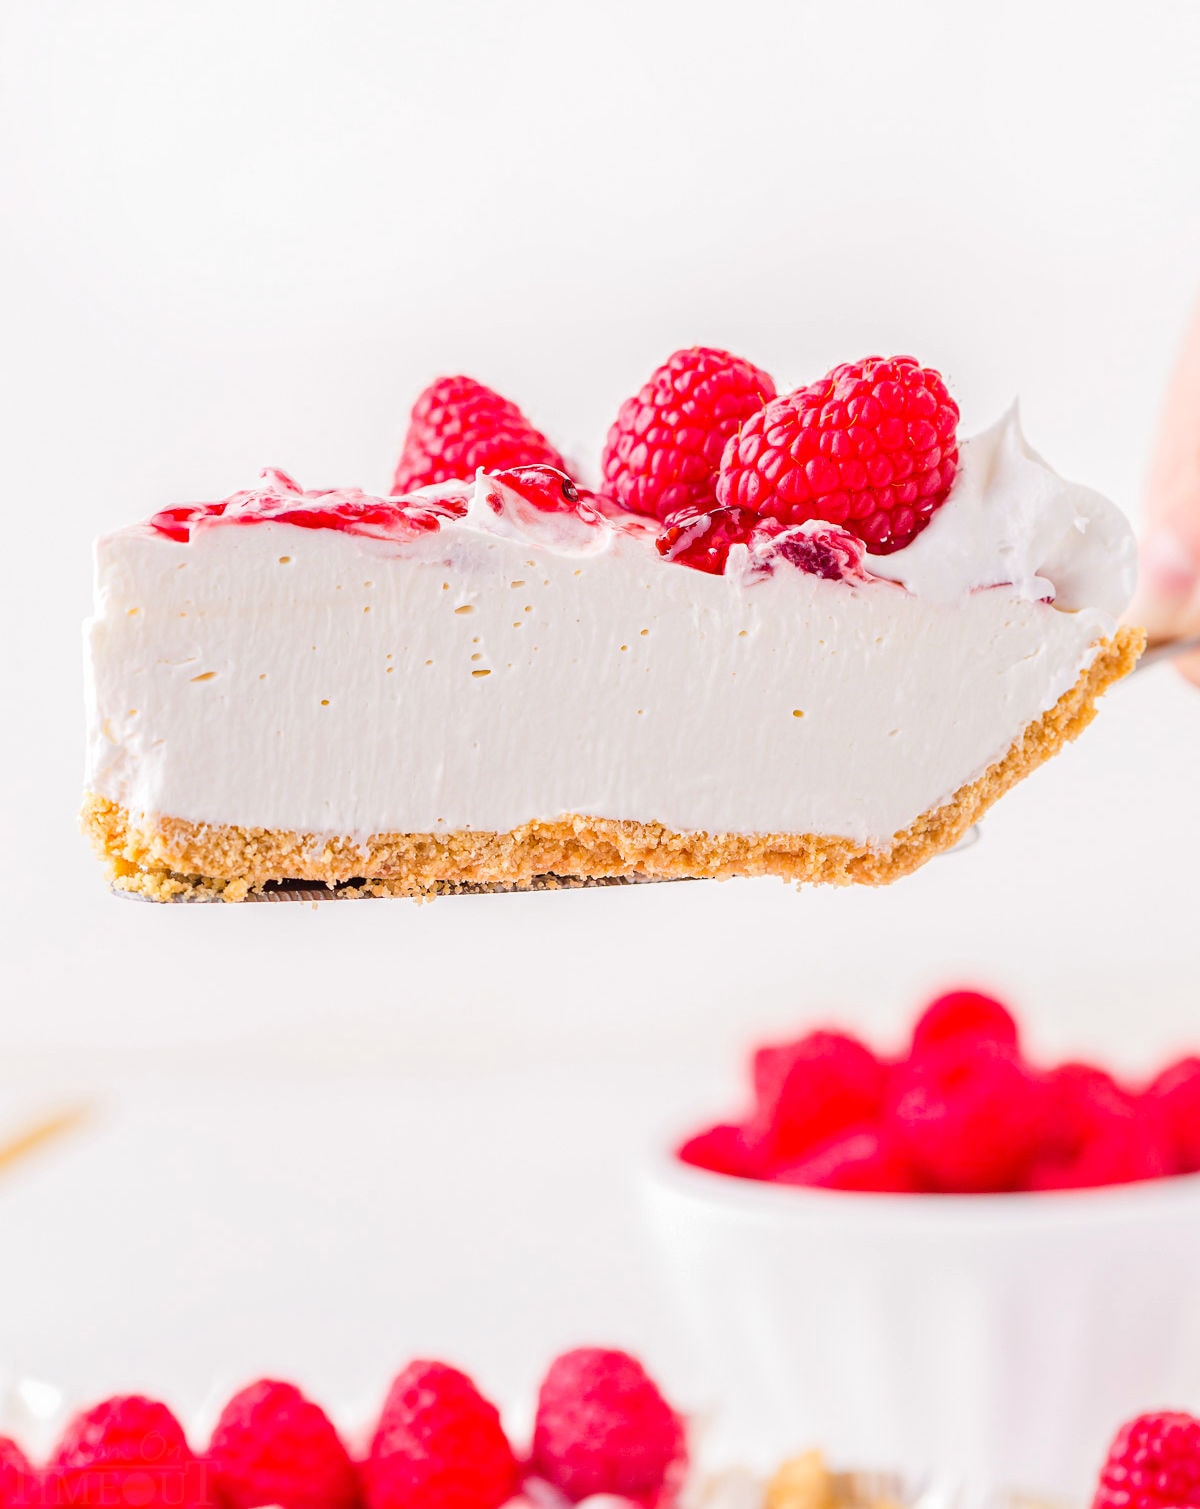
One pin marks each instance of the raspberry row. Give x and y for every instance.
(602, 1427)
(709, 449)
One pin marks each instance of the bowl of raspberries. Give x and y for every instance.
(952, 1256)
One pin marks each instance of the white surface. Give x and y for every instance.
(329, 1227)
(553, 663)
(217, 255)
(1000, 1339)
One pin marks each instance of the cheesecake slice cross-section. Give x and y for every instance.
(505, 681)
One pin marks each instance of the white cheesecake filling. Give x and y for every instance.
(512, 666)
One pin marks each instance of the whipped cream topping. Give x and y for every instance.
(466, 658)
(1012, 521)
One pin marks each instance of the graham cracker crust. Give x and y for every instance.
(168, 858)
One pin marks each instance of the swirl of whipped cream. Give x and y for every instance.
(1011, 520)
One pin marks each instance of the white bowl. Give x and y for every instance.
(1000, 1338)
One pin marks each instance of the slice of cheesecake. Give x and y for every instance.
(506, 681)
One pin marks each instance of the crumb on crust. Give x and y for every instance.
(170, 859)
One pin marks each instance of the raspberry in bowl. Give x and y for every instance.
(951, 1257)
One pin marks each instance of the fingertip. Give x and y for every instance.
(1188, 667)
(1168, 577)
(1169, 564)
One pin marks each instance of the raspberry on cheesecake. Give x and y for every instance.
(873, 446)
(458, 425)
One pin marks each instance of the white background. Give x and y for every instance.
(237, 234)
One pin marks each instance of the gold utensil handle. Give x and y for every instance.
(38, 1133)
